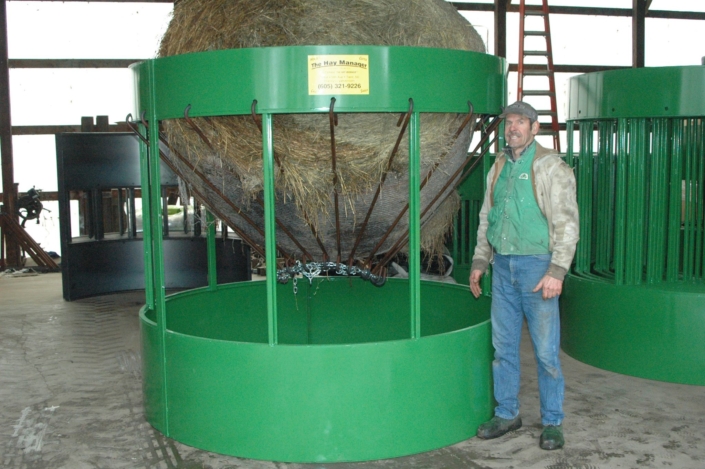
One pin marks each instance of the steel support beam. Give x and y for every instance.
(72, 63)
(500, 28)
(638, 33)
(8, 172)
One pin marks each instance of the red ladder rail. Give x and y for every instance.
(537, 69)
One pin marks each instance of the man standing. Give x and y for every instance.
(528, 231)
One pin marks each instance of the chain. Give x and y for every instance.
(314, 269)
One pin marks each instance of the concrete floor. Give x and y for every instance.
(70, 397)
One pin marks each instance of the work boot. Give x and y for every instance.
(497, 427)
(552, 437)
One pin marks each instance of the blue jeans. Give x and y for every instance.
(513, 279)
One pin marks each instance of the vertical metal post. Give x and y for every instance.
(638, 33)
(121, 201)
(464, 245)
(270, 227)
(699, 203)
(658, 203)
(457, 241)
(146, 225)
(152, 226)
(210, 246)
(131, 197)
(584, 174)
(500, 28)
(673, 247)
(620, 211)
(414, 226)
(8, 171)
(604, 199)
(636, 194)
(688, 210)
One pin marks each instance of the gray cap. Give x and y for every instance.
(521, 108)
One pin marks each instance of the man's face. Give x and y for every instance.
(519, 131)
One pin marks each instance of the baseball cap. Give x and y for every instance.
(521, 108)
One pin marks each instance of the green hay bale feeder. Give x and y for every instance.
(335, 369)
(635, 301)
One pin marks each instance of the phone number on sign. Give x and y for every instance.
(337, 86)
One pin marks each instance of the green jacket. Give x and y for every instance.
(554, 189)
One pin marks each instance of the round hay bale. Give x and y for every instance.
(364, 141)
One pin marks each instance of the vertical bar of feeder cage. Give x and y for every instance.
(687, 221)
(456, 234)
(658, 203)
(699, 201)
(157, 224)
(636, 196)
(612, 193)
(269, 227)
(415, 225)
(146, 226)
(569, 153)
(620, 200)
(601, 220)
(675, 198)
(585, 206)
(694, 203)
(210, 246)
(464, 248)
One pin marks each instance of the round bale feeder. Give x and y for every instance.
(635, 300)
(323, 361)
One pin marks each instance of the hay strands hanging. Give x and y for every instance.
(423, 183)
(198, 195)
(404, 118)
(485, 143)
(307, 220)
(258, 199)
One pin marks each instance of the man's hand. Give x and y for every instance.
(551, 287)
(475, 277)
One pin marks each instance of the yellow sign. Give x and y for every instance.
(338, 74)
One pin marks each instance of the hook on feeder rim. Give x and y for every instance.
(468, 118)
(255, 117)
(196, 128)
(135, 130)
(331, 113)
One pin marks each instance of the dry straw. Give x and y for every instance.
(364, 141)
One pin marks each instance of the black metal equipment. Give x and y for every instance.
(100, 173)
(29, 206)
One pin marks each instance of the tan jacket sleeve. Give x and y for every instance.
(564, 217)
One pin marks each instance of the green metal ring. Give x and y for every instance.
(638, 92)
(226, 82)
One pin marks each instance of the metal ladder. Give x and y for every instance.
(546, 70)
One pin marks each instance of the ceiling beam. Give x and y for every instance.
(590, 11)
(72, 63)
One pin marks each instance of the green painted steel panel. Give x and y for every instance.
(344, 401)
(638, 92)
(226, 82)
(649, 331)
(152, 388)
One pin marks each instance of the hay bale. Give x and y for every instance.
(302, 142)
